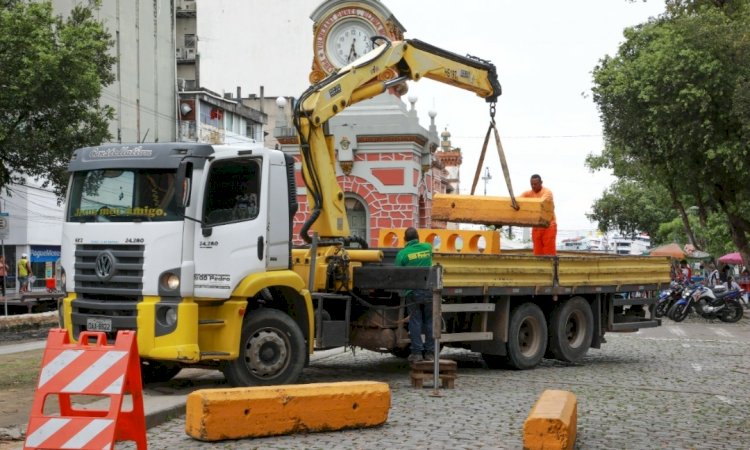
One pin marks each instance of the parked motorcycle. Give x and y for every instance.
(667, 298)
(717, 303)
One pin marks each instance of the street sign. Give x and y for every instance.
(4, 225)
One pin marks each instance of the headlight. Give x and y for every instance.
(170, 281)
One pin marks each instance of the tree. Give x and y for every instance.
(712, 237)
(52, 71)
(629, 207)
(674, 106)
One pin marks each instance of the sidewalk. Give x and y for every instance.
(162, 401)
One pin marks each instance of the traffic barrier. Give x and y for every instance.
(88, 368)
(236, 413)
(551, 424)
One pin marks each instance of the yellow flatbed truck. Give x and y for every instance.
(189, 244)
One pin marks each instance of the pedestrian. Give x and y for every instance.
(714, 279)
(3, 272)
(726, 272)
(24, 270)
(686, 272)
(418, 301)
(543, 238)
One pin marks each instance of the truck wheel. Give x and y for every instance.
(272, 350)
(158, 371)
(527, 337)
(571, 330)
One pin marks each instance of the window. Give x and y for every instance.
(189, 41)
(233, 191)
(123, 195)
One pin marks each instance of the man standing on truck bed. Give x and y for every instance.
(418, 301)
(543, 238)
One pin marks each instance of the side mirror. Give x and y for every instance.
(182, 191)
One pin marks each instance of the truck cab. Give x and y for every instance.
(170, 239)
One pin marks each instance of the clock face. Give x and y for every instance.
(344, 35)
(348, 41)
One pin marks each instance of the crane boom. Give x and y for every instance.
(387, 65)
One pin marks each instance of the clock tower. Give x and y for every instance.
(385, 162)
(342, 30)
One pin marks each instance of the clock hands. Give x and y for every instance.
(352, 52)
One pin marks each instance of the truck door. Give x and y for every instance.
(230, 243)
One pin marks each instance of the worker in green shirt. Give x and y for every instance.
(419, 302)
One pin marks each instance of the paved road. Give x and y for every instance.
(680, 386)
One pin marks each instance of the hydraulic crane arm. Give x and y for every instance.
(385, 66)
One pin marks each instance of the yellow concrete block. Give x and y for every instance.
(235, 413)
(446, 240)
(532, 212)
(551, 424)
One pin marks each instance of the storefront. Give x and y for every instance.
(44, 261)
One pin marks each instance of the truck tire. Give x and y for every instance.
(272, 350)
(158, 371)
(571, 330)
(527, 337)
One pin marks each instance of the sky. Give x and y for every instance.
(544, 50)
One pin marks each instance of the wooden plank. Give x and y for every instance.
(532, 212)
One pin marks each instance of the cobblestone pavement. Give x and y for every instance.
(637, 392)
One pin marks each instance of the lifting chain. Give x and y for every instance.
(500, 152)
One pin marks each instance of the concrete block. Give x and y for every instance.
(551, 424)
(482, 210)
(236, 413)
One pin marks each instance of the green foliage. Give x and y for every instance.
(630, 207)
(675, 107)
(52, 71)
(713, 237)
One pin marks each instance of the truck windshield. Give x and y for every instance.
(123, 195)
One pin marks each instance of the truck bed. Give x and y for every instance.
(520, 272)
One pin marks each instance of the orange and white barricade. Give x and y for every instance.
(88, 368)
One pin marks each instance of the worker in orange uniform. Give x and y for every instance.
(543, 238)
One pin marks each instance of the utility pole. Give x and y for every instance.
(486, 177)
(3, 232)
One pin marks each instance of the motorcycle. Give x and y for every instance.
(667, 298)
(708, 303)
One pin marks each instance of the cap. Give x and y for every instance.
(24, 255)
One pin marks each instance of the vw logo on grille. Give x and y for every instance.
(104, 266)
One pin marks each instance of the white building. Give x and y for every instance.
(143, 96)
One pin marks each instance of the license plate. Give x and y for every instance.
(99, 324)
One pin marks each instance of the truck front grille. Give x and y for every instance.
(116, 276)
